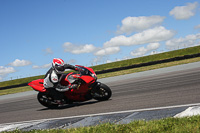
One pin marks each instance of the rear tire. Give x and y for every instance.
(46, 100)
(103, 93)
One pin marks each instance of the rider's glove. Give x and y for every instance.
(78, 69)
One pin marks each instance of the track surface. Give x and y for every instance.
(159, 90)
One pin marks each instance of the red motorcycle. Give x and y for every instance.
(88, 88)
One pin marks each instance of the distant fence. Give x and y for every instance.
(125, 68)
(13, 86)
(149, 63)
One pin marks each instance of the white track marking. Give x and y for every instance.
(191, 111)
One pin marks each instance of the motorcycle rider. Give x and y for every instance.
(53, 77)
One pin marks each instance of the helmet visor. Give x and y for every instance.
(59, 68)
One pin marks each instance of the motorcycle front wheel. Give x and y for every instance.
(102, 93)
(46, 100)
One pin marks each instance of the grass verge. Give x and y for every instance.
(146, 68)
(134, 70)
(15, 90)
(167, 125)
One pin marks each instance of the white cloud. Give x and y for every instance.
(107, 51)
(6, 70)
(197, 27)
(72, 61)
(184, 12)
(142, 50)
(48, 51)
(139, 52)
(18, 63)
(97, 59)
(41, 67)
(189, 40)
(78, 49)
(136, 24)
(156, 52)
(156, 34)
(153, 46)
(108, 61)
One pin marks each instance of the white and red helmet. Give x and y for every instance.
(58, 65)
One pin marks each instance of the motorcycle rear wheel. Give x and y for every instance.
(46, 100)
(103, 93)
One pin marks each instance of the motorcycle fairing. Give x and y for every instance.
(37, 85)
(90, 69)
(64, 81)
(79, 94)
(87, 79)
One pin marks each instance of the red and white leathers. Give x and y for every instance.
(53, 76)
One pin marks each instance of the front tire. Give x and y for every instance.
(102, 93)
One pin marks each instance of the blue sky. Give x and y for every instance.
(90, 32)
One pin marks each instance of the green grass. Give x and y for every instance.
(145, 59)
(167, 125)
(15, 90)
(19, 81)
(146, 68)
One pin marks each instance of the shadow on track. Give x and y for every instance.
(71, 105)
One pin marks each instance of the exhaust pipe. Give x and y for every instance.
(47, 101)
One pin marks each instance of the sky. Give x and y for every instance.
(91, 32)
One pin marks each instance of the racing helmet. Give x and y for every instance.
(58, 65)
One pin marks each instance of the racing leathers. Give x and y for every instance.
(52, 81)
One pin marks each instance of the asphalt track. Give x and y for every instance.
(157, 88)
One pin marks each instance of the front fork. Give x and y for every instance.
(95, 86)
(95, 89)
